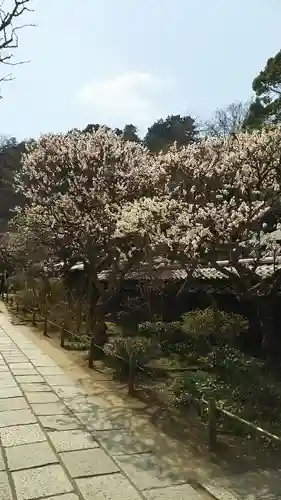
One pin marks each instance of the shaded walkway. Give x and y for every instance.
(58, 442)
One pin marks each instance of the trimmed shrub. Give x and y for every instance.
(215, 324)
(138, 350)
(192, 386)
(168, 335)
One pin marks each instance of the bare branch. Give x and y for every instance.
(227, 121)
(9, 31)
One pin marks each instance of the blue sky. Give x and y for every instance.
(134, 61)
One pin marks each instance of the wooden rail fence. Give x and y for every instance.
(213, 408)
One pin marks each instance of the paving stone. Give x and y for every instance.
(2, 464)
(69, 391)
(8, 384)
(29, 379)
(37, 387)
(11, 354)
(107, 400)
(6, 377)
(219, 493)
(16, 359)
(109, 487)
(7, 381)
(5, 374)
(24, 371)
(101, 388)
(180, 492)
(11, 417)
(31, 355)
(87, 403)
(15, 354)
(30, 349)
(5, 490)
(146, 472)
(50, 370)
(100, 420)
(18, 366)
(67, 496)
(60, 380)
(43, 361)
(81, 404)
(41, 482)
(13, 404)
(31, 455)
(4, 369)
(88, 463)
(59, 422)
(41, 397)
(21, 434)
(10, 392)
(50, 409)
(120, 442)
(72, 440)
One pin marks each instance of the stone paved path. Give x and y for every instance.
(59, 443)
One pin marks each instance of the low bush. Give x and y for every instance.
(137, 350)
(193, 385)
(27, 299)
(212, 324)
(168, 335)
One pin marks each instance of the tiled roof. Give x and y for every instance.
(174, 273)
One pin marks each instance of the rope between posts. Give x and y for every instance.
(79, 339)
(242, 421)
(216, 408)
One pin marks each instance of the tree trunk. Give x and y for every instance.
(96, 320)
(79, 314)
(99, 334)
(269, 342)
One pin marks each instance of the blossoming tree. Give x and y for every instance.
(75, 186)
(217, 198)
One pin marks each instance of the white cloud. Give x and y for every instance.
(127, 98)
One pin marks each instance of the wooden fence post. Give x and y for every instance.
(132, 376)
(45, 325)
(34, 318)
(212, 424)
(62, 337)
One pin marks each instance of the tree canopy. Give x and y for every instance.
(75, 185)
(266, 107)
(175, 128)
(10, 161)
(109, 203)
(211, 213)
